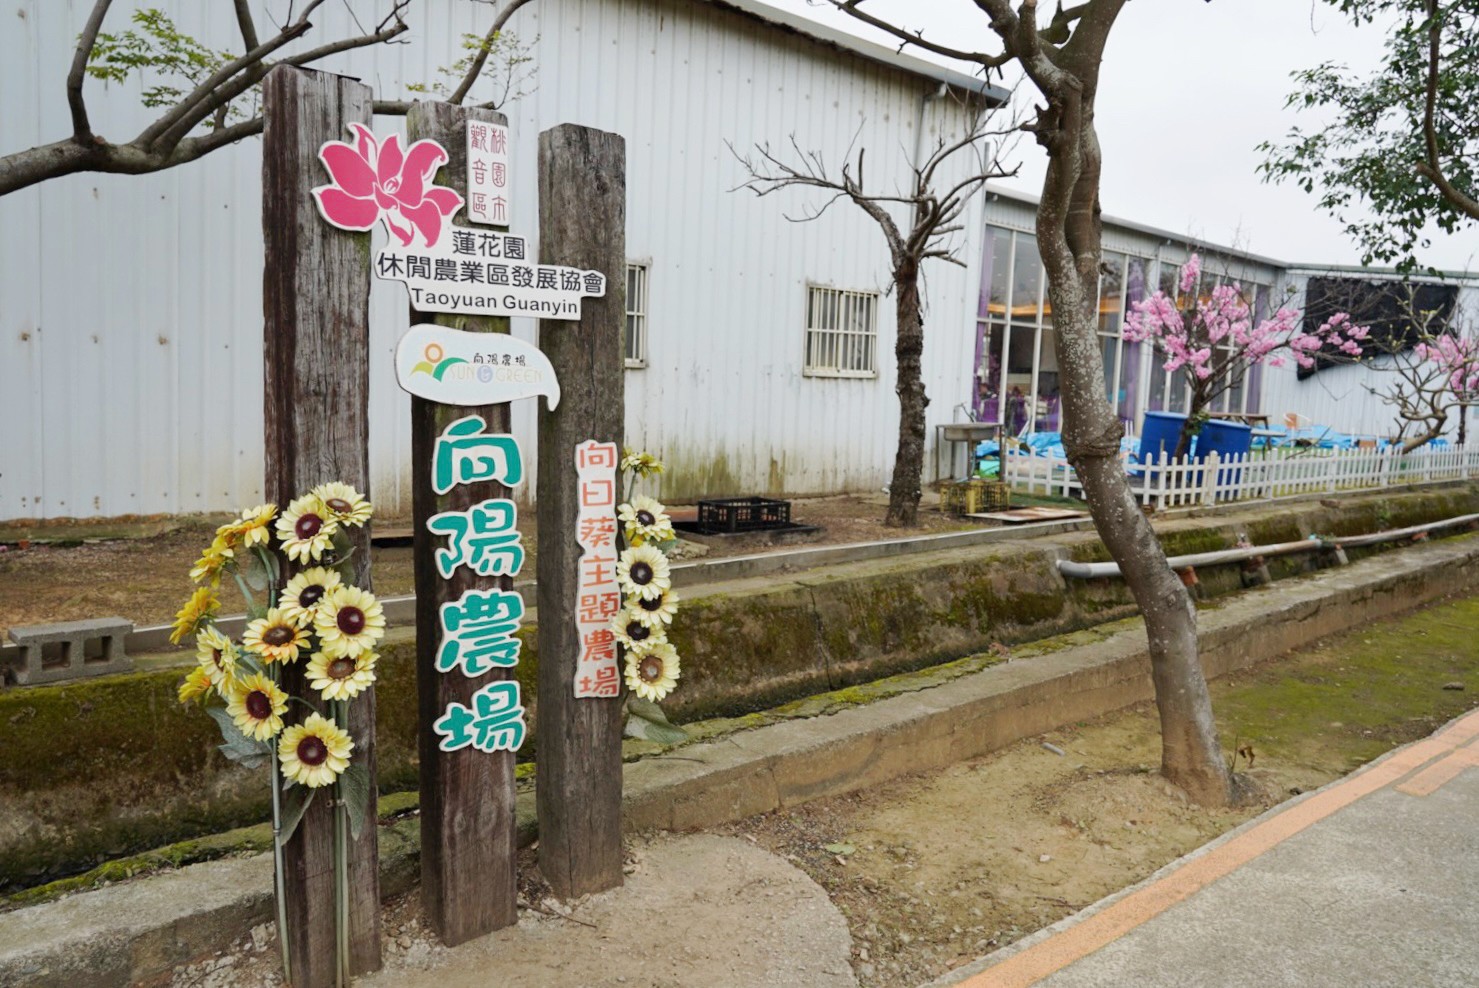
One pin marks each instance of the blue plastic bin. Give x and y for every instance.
(1159, 432)
(1225, 439)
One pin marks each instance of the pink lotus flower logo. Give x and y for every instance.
(374, 181)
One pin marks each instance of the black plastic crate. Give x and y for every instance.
(742, 514)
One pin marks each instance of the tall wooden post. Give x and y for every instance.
(468, 828)
(582, 223)
(315, 297)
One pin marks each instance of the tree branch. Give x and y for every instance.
(81, 128)
(476, 68)
(1432, 167)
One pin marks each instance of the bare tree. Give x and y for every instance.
(934, 207)
(1061, 56)
(219, 88)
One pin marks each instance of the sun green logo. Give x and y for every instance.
(433, 363)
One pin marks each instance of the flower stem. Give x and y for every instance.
(340, 711)
(278, 884)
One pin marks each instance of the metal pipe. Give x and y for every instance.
(1091, 571)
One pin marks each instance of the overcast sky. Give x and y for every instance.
(1189, 90)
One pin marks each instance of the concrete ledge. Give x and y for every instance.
(140, 930)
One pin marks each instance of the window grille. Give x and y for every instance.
(636, 333)
(841, 333)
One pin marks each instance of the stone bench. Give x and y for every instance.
(51, 653)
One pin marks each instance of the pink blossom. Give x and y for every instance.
(375, 181)
(1189, 272)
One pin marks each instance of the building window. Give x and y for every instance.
(636, 335)
(841, 333)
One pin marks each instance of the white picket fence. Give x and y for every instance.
(1168, 483)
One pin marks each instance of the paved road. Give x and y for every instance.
(1370, 881)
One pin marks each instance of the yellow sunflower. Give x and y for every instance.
(642, 463)
(304, 592)
(345, 505)
(653, 674)
(633, 631)
(654, 611)
(315, 752)
(253, 528)
(645, 520)
(349, 620)
(643, 572)
(210, 564)
(343, 677)
(217, 656)
(275, 637)
(256, 707)
(196, 684)
(306, 529)
(198, 610)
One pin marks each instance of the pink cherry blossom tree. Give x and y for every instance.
(1438, 375)
(1213, 334)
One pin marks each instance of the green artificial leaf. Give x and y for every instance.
(246, 752)
(253, 571)
(647, 722)
(248, 662)
(842, 847)
(295, 803)
(354, 789)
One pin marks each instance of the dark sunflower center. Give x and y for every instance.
(641, 574)
(218, 657)
(637, 631)
(312, 751)
(307, 526)
(650, 669)
(339, 506)
(258, 705)
(277, 635)
(341, 668)
(650, 605)
(645, 518)
(351, 620)
(310, 596)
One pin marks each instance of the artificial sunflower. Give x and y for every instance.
(256, 706)
(342, 677)
(645, 520)
(653, 674)
(198, 610)
(315, 752)
(349, 620)
(642, 463)
(197, 683)
(217, 656)
(345, 505)
(276, 637)
(654, 611)
(210, 564)
(253, 528)
(643, 572)
(635, 633)
(306, 529)
(304, 592)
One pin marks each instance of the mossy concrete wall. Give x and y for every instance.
(114, 765)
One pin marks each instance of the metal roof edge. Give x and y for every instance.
(851, 43)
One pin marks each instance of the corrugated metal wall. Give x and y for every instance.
(130, 314)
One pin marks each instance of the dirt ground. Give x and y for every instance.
(936, 870)
(146, 579)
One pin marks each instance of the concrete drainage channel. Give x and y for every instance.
(139, 930)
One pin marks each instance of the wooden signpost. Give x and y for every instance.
(582, 223)
(468, 834)
(316, 290)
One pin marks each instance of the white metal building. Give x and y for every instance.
(762, 357)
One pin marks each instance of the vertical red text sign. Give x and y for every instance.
(599, 596)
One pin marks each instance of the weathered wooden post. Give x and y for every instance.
(316, 289)
(582, 223)
(468, 832)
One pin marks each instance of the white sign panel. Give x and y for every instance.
(454, 367)
(487, 173)
(478, 272)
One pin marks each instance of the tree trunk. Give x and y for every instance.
(1068, 230)
(904, 489)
